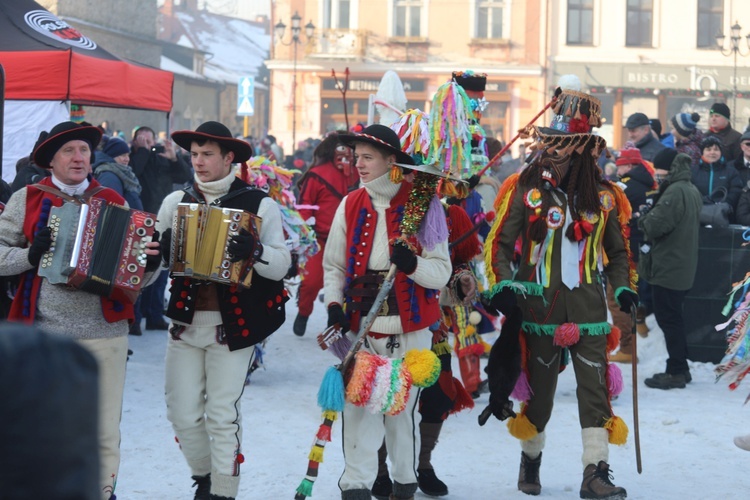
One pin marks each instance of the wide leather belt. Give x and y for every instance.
(365, 288)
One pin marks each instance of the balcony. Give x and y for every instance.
(339, 44)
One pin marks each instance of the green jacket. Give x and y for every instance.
(671, 231)
(545, 301)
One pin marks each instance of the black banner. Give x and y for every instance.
(722, 261)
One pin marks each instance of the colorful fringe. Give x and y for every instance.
(450, 113)
(266, 175)
(585, 328)
(315, 458)
(735, 365)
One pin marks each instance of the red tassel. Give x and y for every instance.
(613, 338)
(463, 399)
(460, 224)
(324, 432)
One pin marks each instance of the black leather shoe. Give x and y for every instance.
(300, 325)
(135, 329)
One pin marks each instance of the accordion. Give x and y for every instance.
(98, 247)
(200, 236)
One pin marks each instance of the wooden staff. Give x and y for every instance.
(343, 89)
(634, 336)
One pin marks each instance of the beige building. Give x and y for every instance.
(422, 40)
(658, 57)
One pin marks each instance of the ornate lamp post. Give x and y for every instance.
(733, 50)
(279, 30)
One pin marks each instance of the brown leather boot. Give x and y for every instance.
(528, 475)
(597, 483)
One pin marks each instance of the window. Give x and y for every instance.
(408, 18)
(580, 22)
(336, 14)
(490, 15)
(710, 16)
(639, 20)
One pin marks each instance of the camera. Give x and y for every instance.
(158, 148)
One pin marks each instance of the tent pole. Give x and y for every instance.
(2, 115)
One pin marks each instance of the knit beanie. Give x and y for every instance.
(116, 147)
(720, 109)
(685, 123)
(711, 140)
(664, 158)
(629, 155)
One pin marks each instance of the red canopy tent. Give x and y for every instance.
(46, 59)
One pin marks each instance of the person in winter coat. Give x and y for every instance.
(323, 186)
(742, 163)
(687, 135)
(97, 322)
(721, 127)
(112, 171)
(669, 259)
(712, 175)
(637, 182)
(639, 132)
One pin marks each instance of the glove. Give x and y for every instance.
(42, 242)
(153, 261)
(404, 258)
(473, 181)
(628, 301)
(166, 246)
(243, 246)
(336, 316)
(503, 301)
(502, 409)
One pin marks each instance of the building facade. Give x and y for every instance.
(422, 40)
(659, 57)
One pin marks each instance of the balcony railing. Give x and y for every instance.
(339, 43)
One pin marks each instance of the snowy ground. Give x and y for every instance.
(686, 435)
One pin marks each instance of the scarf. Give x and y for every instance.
(125, 173)
(218, 188)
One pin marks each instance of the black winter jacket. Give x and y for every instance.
(710, 177)
(638, 183)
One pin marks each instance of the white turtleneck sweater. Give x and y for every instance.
(433, 267)
(275, 251)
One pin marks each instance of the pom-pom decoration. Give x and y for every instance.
(424, 367)
(566, 335)
(520, 427)
(614, 380)
(618, 430)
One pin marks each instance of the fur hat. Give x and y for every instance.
(61, 134)
(382, 138)
(685, 123)
(719, 108)
(217, 132)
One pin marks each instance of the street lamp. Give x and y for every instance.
(279, 30)
(733, 50)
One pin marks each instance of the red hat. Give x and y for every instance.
(630, 155)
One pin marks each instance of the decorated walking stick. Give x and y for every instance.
(636, 432)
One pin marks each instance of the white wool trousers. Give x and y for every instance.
(111, 356)
(363, 431)
(203, 387)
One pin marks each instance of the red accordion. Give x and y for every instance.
(98, 247)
